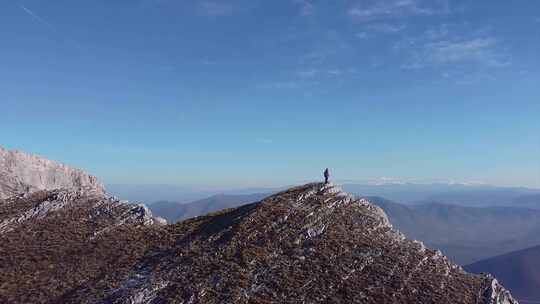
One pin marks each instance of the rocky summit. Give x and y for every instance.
(23, 173)
(310, 244)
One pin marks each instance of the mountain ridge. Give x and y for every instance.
(312, 243)
(465, 234)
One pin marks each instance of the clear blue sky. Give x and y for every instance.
(250, 93)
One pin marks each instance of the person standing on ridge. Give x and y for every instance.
(326, 176)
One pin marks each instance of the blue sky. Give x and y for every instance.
(253, 93)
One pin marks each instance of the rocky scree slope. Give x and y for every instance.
(310, 244)
(24, 173)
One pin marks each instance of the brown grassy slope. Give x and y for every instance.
(45, 260)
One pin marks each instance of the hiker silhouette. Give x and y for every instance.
(326, 175)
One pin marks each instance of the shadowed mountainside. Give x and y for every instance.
(528, 201)
(519, 271)
(466, 234)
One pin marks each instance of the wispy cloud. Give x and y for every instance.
(335, 72)
(315, 56)
(448, 45)
(361, 35)
(265, 141)
(466, 78)
(36, 17)
(215, 8)
(310, 73)
(307, 8)
(455, 51)
(386, 27)
(375, 10)
(473, 79)
(374, 29)
(281, 85)
(206, 8)
(207, 61)
(321, 73)
(53, 29)
(477, 50)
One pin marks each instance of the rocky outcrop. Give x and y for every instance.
(25, 173)
(495, 293)
(30, 209)
(310, 244)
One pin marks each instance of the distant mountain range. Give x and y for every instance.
(454, 194)
(174, 212)
(404, 193)
(150, 194)
(466, 234)
(519, 271)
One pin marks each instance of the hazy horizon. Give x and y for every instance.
(242, 187)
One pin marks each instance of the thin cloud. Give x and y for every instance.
(265, 141)
(335, 72)
(386, 27)
(208, 62)
(323, 72)
(307, 8)
(465, 78)
(468, 80)
(451, 45)
(49, 26)
(307, 73)
(206, 8)
(372, 30)
(292, 84)
(452, 51)
(36, 17)
(478, 50)
(369, 11)
(314, 57)
(280, 85)
(215, 8)
(361, 35)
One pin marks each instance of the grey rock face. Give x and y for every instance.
(24, 173)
